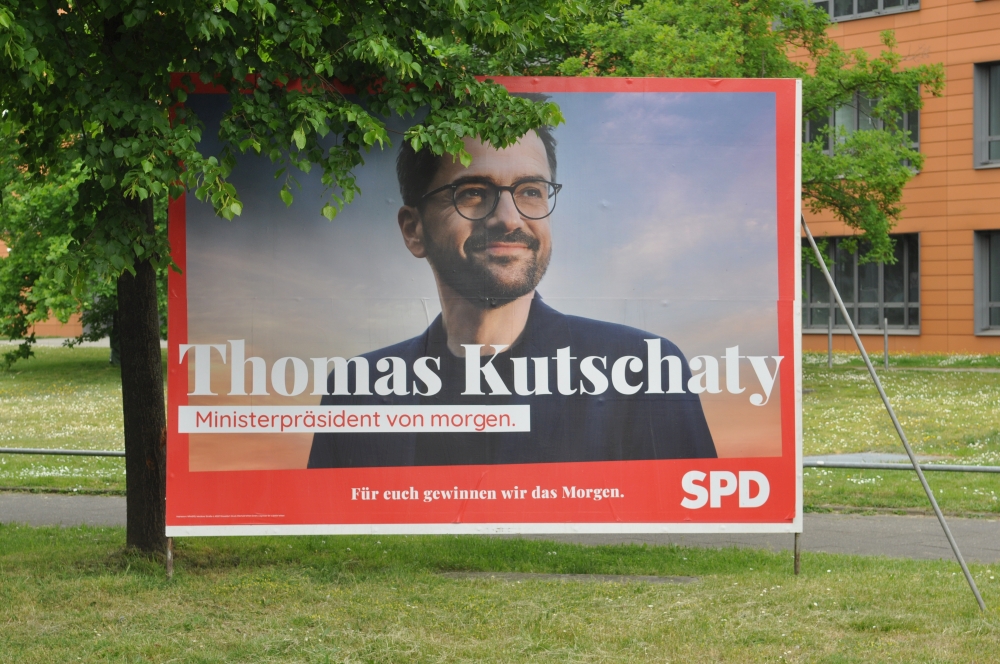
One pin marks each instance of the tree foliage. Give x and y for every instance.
(33, 278)
(89, 102)
(91, 118)
(861, 180)
(95, 79)
(42, 224)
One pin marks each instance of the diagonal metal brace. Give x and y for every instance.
(895, 421)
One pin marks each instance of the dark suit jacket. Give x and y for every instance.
(605, 427)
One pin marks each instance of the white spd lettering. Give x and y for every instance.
(752, 488)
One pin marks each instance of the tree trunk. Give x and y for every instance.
(142, 402)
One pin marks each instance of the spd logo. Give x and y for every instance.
(753, 488)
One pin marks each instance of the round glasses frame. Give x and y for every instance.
(496, 201)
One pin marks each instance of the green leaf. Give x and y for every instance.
(286, 196)
(329, 212)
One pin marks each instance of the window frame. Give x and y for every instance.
(855, 106)
(981, 271)
(905, 6)
(910, 300)
(981, 116)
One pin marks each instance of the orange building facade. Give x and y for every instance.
(945, 299)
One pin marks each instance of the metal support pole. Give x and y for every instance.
(885, 342)
(170, 558)
(829, 340)
(895, 421)
(798, 555)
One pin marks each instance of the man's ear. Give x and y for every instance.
(411, 225)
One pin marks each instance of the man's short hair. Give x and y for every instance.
(416, 170)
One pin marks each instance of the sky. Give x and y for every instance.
(666, 222)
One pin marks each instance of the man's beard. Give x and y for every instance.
(472, 278)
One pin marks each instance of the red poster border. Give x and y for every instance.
(305, 501)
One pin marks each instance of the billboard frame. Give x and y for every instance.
(183, 518)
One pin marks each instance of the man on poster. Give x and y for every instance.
(485, 232)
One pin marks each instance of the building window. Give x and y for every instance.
(845, 10)
(987, 269)
(857, 116)
(872, 292)
(986, 123)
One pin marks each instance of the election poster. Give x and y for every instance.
(595, 329)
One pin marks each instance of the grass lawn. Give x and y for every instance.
(954, 415)
(62, 398)
(72, 398)
(69, 594)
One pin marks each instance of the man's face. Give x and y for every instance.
(497, 259)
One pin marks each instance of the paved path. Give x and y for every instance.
(883, 535)
(50, 509)
(917, 537)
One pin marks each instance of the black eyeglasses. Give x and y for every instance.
(534, 199)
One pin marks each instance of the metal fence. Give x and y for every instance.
(39, 450)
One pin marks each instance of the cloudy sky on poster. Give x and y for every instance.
(666, 222)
